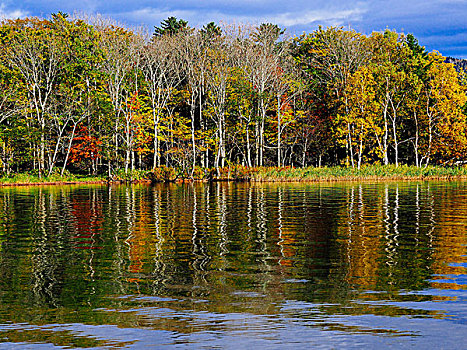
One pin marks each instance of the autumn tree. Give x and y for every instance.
(358, 126)
(162, 74)
(328, 57)
(120, 66)
(261, 61)
(445, 99)
(194, 66)
(287, 86)
(36, 53)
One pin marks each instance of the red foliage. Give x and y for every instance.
(85, 146)
(134, 104)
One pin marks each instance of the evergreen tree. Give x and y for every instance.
(170, 26)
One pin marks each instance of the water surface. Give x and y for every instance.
(233, 265)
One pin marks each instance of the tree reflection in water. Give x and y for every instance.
(88, 253)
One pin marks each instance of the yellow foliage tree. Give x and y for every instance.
(445, 97)
(358, 127)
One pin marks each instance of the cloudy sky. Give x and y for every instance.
(438, 24)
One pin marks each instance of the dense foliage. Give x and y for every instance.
(93, 96)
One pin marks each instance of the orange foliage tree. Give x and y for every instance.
(86, 149)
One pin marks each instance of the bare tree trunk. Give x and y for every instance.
(248, 146)
(360, 153)
(416, 146)
(193, 141)
(396, 144)
(42, 153)
(128, 148)
(279, 132)
(156, 162)
(350, 148)
(261, 133)
(305, 148)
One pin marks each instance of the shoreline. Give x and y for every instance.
(239, 173)
(51, 183)
(342, 179)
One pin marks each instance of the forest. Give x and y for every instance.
(88, 95)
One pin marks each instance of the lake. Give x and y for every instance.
(234, 265)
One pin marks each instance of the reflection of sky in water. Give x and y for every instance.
(456, 279)
(298, 324)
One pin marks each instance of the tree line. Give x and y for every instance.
(90, 95)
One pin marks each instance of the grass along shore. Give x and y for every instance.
(28, 179)
(255, 174)
(365, 173)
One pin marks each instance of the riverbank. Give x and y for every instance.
(254, 174)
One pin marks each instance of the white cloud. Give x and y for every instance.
(288, 19)
(11, 14)
(327, 17)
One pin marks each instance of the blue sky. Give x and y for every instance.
(439, 25)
